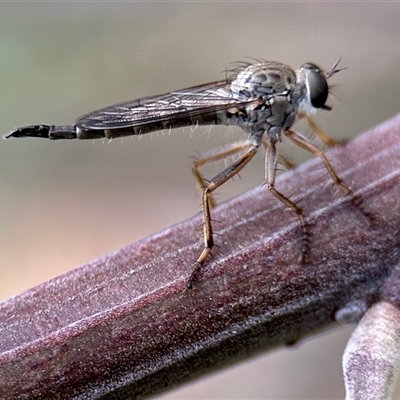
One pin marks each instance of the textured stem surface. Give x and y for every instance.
(123, 326)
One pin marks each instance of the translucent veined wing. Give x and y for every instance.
(196, 100)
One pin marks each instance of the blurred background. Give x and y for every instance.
(65, 203)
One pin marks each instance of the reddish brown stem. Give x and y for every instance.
(124, 327)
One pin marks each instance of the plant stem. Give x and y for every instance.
(123, 326)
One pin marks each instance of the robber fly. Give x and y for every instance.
(263, 98)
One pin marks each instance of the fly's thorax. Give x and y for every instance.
(273, 116)
(276, 94)
(281, 115)
(263, 79)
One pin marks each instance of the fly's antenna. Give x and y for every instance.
(334, 70)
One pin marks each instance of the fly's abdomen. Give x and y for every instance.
(56, 132)
(214, 118)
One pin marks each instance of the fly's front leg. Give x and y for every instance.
(270, 172)
(215, 155)
(320, 133)
(301, 141)
(213, 184)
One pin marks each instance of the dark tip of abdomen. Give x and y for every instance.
(52, 132)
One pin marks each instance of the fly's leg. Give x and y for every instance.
(280, 158)
(217, 154)
(302, 142)
(270, 174)
(213, 184)
(321, 134)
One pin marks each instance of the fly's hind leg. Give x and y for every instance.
(215, 155)
(270, 172)
(212, 185)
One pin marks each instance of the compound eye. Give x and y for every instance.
(311, 66)
(317, 87)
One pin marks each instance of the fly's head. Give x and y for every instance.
(314, 82)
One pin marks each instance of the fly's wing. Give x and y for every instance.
(197, 100)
